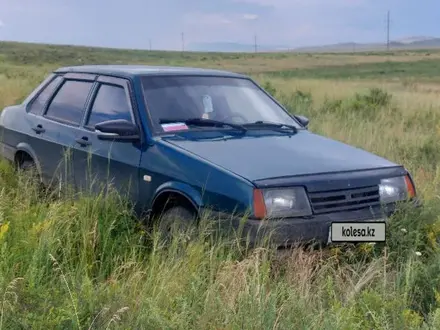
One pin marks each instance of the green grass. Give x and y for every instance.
(73, 263)
(423, 69)
(83, 263)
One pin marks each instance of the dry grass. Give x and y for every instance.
(104, 277)
(301, 61)
(408, 97)
(418, 104)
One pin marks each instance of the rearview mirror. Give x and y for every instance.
(303, 120)
(119, 130)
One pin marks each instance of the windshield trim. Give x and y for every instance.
(153, 132)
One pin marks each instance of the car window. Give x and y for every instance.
(228, 99)
(40, 101)
(110, 103)
(68, 104)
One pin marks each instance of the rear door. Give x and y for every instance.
(58, 115)
(100, 163)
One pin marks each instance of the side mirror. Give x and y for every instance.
(117, 130)
(303, 120)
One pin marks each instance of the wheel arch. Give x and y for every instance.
(173, 193)
(24, 151)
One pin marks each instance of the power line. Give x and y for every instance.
(183, 42)
(388, 31)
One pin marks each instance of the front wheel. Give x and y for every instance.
(177, 220)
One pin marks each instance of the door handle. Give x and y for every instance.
(83, 141)
(39, 129)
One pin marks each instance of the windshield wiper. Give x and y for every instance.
(203, 122)
(270, 125)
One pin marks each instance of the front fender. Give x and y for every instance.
(184, 189)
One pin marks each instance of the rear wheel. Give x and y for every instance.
(29, 167)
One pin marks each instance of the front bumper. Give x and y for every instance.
(315, 229)
(293, 231)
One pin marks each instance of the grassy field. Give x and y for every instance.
(83, 264)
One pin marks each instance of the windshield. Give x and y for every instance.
(225, 99)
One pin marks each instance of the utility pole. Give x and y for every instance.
(255, 43)
(149, 41)
(183, 42)
(388, 31)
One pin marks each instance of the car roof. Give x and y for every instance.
(145, 70)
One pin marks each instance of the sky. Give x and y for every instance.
(136, 23)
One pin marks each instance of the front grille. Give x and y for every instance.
(344, 200)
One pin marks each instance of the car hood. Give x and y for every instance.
(263, 157)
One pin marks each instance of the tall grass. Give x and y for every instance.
(83, 262)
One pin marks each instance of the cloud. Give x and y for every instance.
(302, 3)
(233, 27)
(290, 22)
(215, 19)
(250, 17)
(206, 19)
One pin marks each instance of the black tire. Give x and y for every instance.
(177, 220)
(29, 167)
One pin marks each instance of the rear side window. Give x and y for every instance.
(68, 104)
(111, 103)
(40, 101)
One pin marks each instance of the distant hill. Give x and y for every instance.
(233, 47)
(410, 43)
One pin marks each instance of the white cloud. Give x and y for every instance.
(216, 19)
(250, 17)
(211, 19)
(232, 27)
(303, 3)
(225, 21)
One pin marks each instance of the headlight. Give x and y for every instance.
(396, 189)
(281, 202)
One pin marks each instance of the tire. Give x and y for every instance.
(177, 220)
(29, 166)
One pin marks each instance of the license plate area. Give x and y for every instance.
(367, 231)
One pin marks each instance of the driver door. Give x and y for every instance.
(99, 164)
